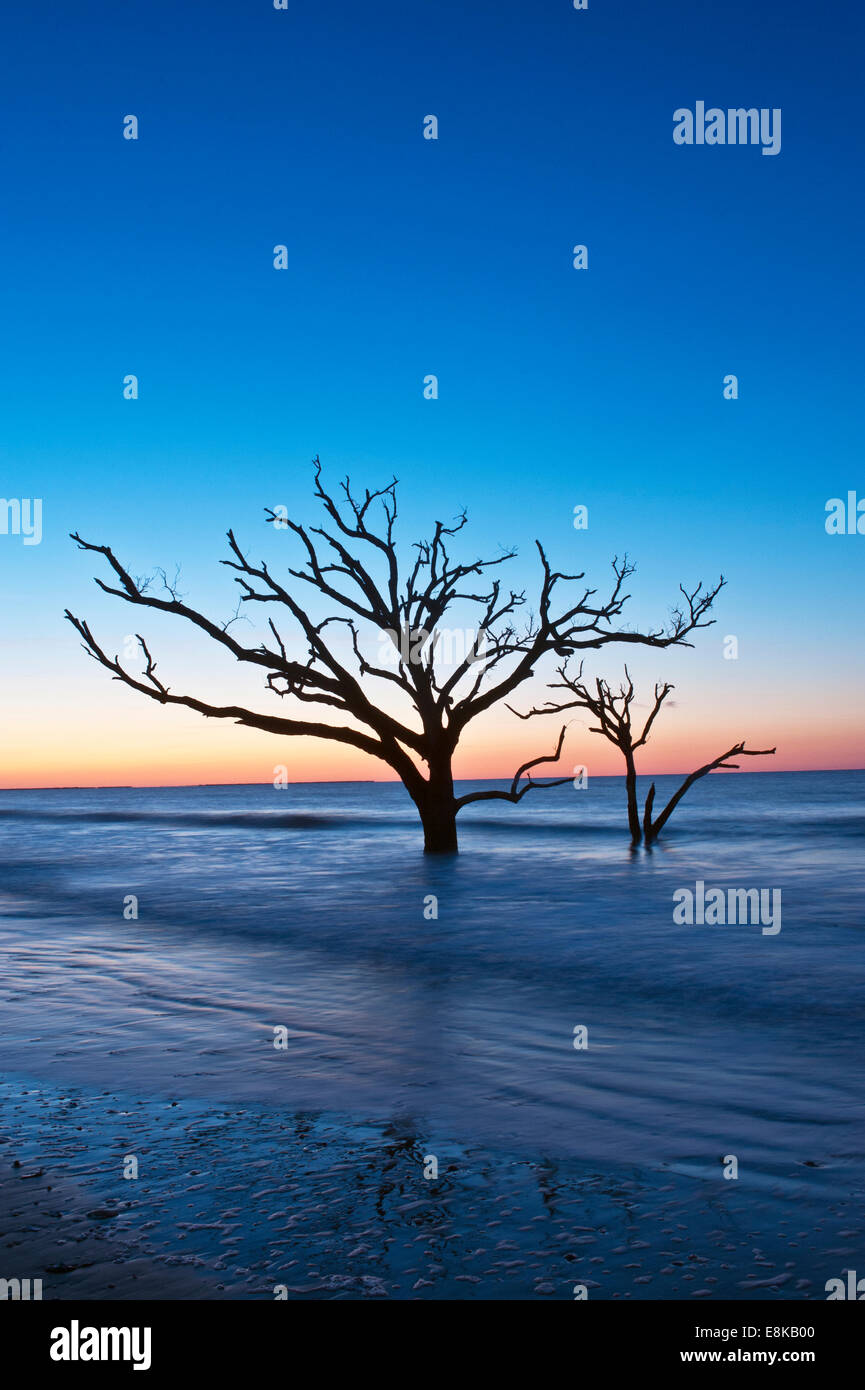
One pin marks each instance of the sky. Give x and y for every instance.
(557, 387)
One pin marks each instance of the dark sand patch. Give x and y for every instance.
(232, 1202)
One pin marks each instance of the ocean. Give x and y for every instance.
(251, 962)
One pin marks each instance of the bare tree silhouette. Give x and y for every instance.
(354, 566)
(612, 709)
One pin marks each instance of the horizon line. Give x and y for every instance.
(396, 782)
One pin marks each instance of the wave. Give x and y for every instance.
(238, 820)
(699, 823)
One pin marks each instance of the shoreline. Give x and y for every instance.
(242, 1203)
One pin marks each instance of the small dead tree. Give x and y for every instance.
(612, 709)
(353, 566)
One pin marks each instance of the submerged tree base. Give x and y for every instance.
(441, 845)
(440, 831)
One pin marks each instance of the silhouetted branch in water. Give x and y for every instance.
(653, 828)
(612, 709)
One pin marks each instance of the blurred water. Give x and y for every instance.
(303, 907)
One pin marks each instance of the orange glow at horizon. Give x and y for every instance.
(147, 751)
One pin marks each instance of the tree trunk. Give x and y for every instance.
(439, 828)
(633, 808)
(438, 812)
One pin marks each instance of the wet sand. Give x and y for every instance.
(242, 1203)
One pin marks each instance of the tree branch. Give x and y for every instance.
(653, 828)
(517, 795)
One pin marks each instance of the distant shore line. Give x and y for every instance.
(395, 782)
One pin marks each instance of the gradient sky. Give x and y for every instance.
(453, 257)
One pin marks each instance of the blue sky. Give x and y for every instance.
(407, 257)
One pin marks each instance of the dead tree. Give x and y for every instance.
(353, 565)
(612, 709)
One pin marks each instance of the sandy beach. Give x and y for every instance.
(254, 1205)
